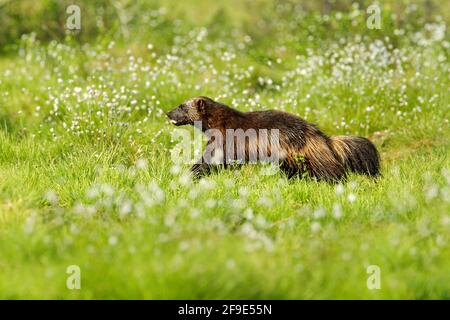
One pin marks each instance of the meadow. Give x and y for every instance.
(87, 177)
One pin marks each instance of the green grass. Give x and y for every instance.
(87, 177)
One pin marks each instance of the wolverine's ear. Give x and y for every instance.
(201, 104)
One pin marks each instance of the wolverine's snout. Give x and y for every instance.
(177, 116)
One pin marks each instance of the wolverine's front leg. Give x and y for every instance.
(213, 160)
(201, 169)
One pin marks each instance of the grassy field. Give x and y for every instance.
(87, 177)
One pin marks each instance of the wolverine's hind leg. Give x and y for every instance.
(292, 170)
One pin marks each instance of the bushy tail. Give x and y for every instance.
(356, 154)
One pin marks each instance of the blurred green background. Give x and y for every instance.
(267, 22)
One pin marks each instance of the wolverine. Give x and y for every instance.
(301, 149)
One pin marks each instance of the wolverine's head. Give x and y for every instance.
(190, 111)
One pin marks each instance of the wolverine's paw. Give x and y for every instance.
(198, 170)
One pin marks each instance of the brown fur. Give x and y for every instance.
(357, 154)
(305, 149)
